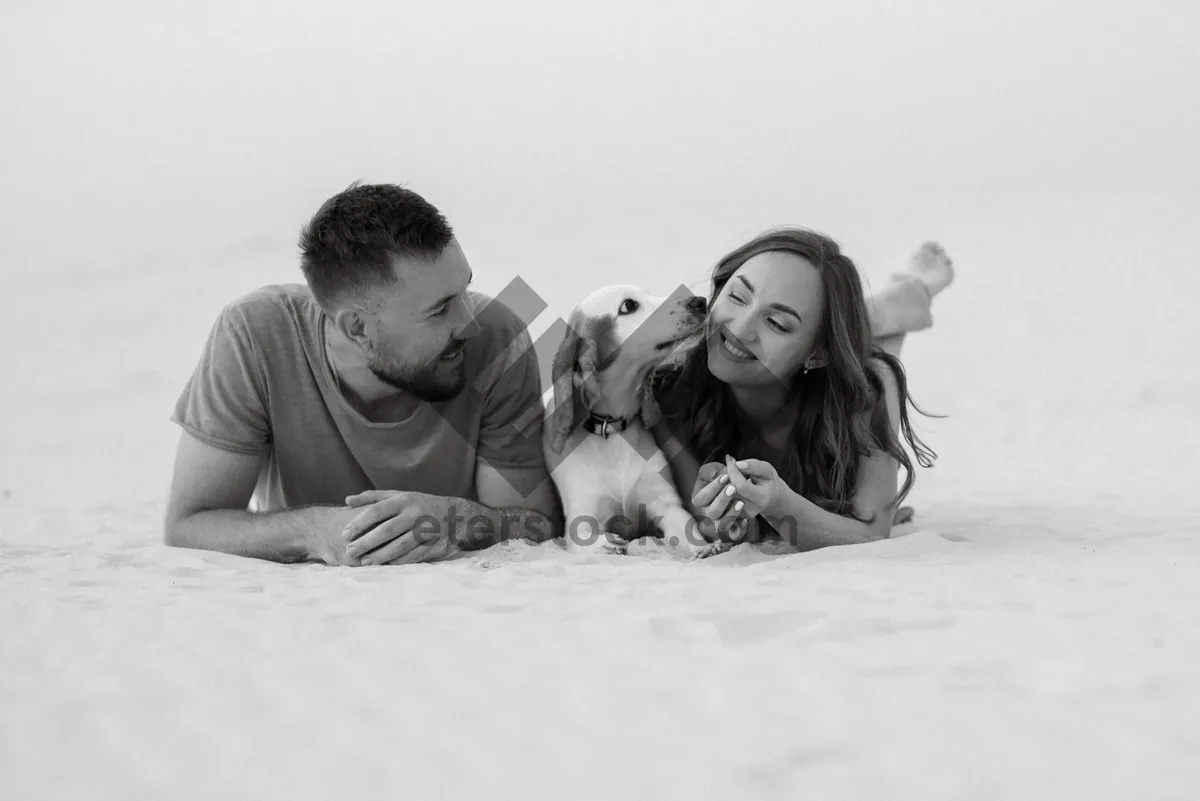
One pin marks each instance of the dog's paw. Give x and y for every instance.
(606, 544)
(697, 550)
(612, 543)
(710, 549)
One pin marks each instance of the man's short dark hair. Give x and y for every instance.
(350, 243)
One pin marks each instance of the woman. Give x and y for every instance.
(794, 399)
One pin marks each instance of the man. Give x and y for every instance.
(384, 413)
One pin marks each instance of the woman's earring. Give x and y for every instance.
(806, 369)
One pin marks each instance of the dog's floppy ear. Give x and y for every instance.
(651, 413)
(562, 373)
(574, 368)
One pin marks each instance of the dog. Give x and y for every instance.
(602, 458)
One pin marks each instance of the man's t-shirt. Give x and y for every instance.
(263, 385)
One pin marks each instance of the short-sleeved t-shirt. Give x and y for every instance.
(263, 385)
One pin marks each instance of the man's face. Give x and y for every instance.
(421, 325)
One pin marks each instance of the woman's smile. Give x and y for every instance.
(732, 350)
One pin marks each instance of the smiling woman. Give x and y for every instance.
(789, 381)
(738, 354)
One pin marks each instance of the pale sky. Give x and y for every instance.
(132, 127)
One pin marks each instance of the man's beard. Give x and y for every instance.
(424, 382)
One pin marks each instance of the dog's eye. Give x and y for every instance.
(628, 306)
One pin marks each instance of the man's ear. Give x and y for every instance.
(352, 323)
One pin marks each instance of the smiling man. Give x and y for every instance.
(359, 419)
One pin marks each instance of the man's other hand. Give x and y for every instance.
(396, 527)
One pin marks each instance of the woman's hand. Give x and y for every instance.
(721, 513)
(708, 473)
(756, 483)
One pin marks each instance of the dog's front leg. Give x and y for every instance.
(587, 527)
(679, 529)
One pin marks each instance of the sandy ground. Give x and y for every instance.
(966, 660)
(1034, 634)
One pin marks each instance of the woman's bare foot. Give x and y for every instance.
(906, 303)
(901, 307)
(932, 265)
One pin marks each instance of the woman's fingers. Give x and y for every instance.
(731, 523)
(738, 480)
(754, 468)
(717, 507)
(734, 471)
(728, 499)
(756, 492)
(709, 493)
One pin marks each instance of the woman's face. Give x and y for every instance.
(764, 323)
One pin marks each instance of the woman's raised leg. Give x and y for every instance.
(905, 304)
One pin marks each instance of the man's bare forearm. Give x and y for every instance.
(292, 535)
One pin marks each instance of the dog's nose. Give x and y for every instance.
(697, 303)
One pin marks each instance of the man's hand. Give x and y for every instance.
(398, 528)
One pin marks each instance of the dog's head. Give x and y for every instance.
(620, 333)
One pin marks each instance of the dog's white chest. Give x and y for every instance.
(613, 464)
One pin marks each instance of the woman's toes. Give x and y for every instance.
(933, 266)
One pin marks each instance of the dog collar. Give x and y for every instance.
(599, 424)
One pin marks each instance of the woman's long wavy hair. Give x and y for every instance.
(842, 412)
